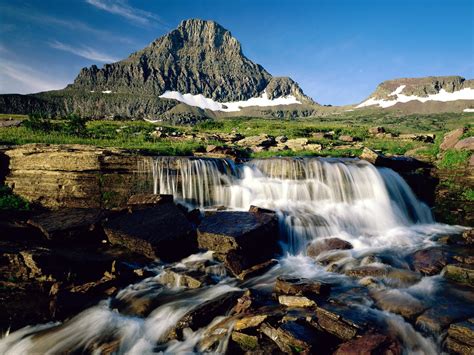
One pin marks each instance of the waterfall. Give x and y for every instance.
(372, 208)
(314, 197)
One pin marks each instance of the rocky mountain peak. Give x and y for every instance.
(198, 57)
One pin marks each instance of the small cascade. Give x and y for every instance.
(314, 197)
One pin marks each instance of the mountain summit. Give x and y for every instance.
(198, 58)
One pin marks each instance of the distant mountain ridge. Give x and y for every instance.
(445, 89)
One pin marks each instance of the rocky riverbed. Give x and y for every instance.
(202, 255)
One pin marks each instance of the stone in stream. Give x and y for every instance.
(429, 261)
(436, 319)
(300, 287)
(240, 239)
(364, 271)
(460, 338)
(340, 320)
(250, 321)
(244, 341)
(460, 273)
(468, 236)
(296, 337)
(320, 246)
(398, 302)
(370, 344)
(78, 224)
(296, 301)
(159, 232)
(204, 313)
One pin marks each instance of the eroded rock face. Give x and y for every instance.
(429, 261)
(240, 239)
(159, 232)
(75, 176)
(460, 338)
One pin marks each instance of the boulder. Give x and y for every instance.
(376, 130)
(460, 338)
(426, 138)
(364, 271)
(262, 140)
(333, 319)
(300, 287)
(370, 344)
(398, 302)
(296, 144)
(251, 321)
(320, 246)
(465, 144)
(294, 337)
(347, 138)
(159, 232)
(296, 301)
(468, 236)
(429, 261)
(204, 313)
(371, 156)
(444, 313)
(461, 273)
(240, 239)
(244, 341)
(450, 139)
(79, 224)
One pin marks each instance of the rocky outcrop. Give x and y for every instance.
(240, 239)
(157, 232)
(74, 176)
(422, 87)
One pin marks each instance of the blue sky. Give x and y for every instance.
(337, 50)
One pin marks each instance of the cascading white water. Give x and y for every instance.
(373, 209)
(314, 197)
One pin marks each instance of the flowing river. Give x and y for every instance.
(372, 208)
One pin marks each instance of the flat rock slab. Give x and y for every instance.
(148, 200)
(240, 239)
(429, 261)
(160, 232)
(300, 287)
(369, 344)
(461, 273)
(55, 224)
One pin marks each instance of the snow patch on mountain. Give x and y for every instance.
(443, 95)
(206, 103)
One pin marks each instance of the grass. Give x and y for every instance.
(453, 159)
(469, 194)
(137, 135)
(10, 201)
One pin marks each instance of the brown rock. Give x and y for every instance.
(363, 271)
(69, 223)
(400, 303)
(376, 130)
(451, 138)
(369, 344)
(429, 261)
(156, 232)
(240, 239)
(320, 246)
(465, 144)
(300, 287)
(463, 332)
(461, 273)
(245, 342)
(250, 321)
(296, 301)
(346, 138)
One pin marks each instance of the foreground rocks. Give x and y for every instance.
(240, 239)
(158, 232)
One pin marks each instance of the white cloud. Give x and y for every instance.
(23, 79)
(121, 8)
(85, 52)
(32, 15)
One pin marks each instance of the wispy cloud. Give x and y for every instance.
(21, 78)
(121, 8)
(83, 51)
(30, 14)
